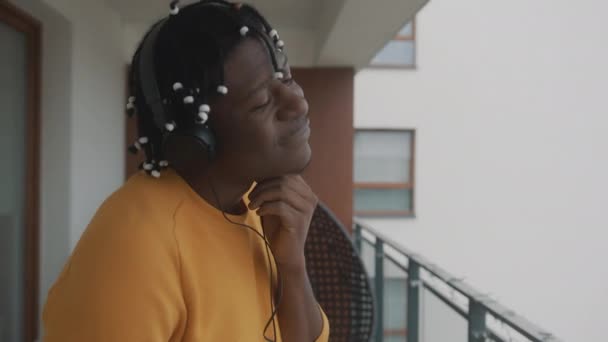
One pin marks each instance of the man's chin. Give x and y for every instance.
(305, 161)
(305, 165)
(296, 166)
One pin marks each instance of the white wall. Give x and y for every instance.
(82, 121)
(509, 104)
(98, 118)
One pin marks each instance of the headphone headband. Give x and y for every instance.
(147, 75)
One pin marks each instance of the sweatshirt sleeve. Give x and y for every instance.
(324, 336)
(122, 283)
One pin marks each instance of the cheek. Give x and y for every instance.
(264, 140)
(257, 139)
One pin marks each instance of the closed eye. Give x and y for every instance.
(261, 106)
(288, 81)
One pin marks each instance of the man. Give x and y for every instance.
(179, 253)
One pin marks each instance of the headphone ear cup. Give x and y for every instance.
(202, 135)
(205, 136)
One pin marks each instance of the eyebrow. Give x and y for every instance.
(264, 83)
(258, 88)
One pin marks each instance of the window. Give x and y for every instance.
(384, 172)
(399, 52)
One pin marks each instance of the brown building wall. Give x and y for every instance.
(330, 94)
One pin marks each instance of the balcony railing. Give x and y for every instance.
(416, 301)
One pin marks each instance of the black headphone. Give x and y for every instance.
(201, 133)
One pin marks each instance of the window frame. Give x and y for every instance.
(402, 38)
(390, 185)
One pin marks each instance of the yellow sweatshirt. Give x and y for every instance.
(158, 263)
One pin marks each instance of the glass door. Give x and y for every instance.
(19, 98)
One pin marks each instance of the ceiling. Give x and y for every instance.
(301, 14)
(319, 32)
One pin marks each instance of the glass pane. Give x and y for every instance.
(382, 156)
(367, 255)
(383, 199)
(406, 30)
(439, 322)
(12, 152)
(395, 304)
(396, 53)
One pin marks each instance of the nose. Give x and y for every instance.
(292, 103)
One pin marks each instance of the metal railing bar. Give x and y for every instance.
(494, 337)
(369, 242)
(462, 312)
(500, 312)
(385, 238)
(396, 263)
(379, 288)
(388, 256)
(413, 303)
(518, 323)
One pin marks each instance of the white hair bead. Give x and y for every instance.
(278, 75)
(244, 31)
(203, 116)
(143, 140)
(174, 10)
(163, 163)
(137, 145)
(148, 166)
(189, 99)
(155, 173)
(204, 108)
(177, 86)
(274, 33)
(130, 105)
(170, 126)
(222, 90)
(131, 99)
(280, 43)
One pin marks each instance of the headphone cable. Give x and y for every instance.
(268, 253)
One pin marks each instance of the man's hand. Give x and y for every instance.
(286, 205)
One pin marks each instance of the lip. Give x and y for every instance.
(302, 131)
(302, 128)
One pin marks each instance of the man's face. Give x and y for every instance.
(262, 124)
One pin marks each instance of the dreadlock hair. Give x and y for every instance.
(189, 54)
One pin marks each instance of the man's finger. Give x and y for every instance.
(261, 186)
(278, 208)
(284, 183)
(278, 194)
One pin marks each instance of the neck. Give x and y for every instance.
(221, 191)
